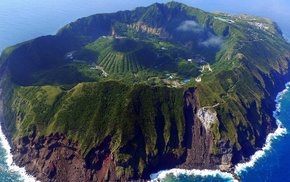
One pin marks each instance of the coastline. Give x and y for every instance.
(6, 144)
(279, 132)
(240, 167)
(201, 151)
(259, 153)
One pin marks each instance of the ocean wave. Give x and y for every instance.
(279, 97)
(203, 173)
(9, 160)
(281, 94)
(280, 131)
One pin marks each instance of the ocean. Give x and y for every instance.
(22, 20)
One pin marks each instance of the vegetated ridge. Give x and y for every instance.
(123, 95)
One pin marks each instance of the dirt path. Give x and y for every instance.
(102, 69)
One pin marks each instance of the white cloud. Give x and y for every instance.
(190, 25)
(193, 26)
(212, 41)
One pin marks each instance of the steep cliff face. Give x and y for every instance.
(125, 151)
(199, 138)
(120, 96)
(50, 158)
(57, 158)
(274, 83)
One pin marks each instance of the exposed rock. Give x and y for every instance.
(57, 158)
(207, 116)
(139, 26)
(51, 170)
(60, 159)
(186, 144)
(199, 139)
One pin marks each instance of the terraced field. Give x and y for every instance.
(116, 62)
(110, 54)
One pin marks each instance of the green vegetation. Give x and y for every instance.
(90, 112)
(123, 76)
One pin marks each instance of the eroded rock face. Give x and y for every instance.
(144, 28)
(56, 158)
(198, 135)
(226, 158)
(207, 116)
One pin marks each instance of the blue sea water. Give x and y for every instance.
(22, 20)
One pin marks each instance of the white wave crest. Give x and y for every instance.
(279, 97)
(281, 94)
(9, 160)
(176, 172)
(280, 131)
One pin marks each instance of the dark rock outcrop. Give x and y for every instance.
(57, 158)
(198, 140)
(129, 131)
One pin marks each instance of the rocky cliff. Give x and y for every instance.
(199, 138)
(57, 158)
(121, 96)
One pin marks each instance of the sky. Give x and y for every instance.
(22, 20)
(265, 7)
(278, 10)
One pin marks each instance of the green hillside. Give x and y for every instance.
(139, 79)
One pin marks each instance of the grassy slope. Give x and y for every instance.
(245, 64)
(90, 112)
(54, 97)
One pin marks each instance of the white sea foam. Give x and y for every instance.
(280, 131)
(279, 97)
(203, 173)
(9, 160)
(281, 94)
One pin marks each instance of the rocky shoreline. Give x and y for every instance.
(56, 158)
(2, 119)
(67, 124)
